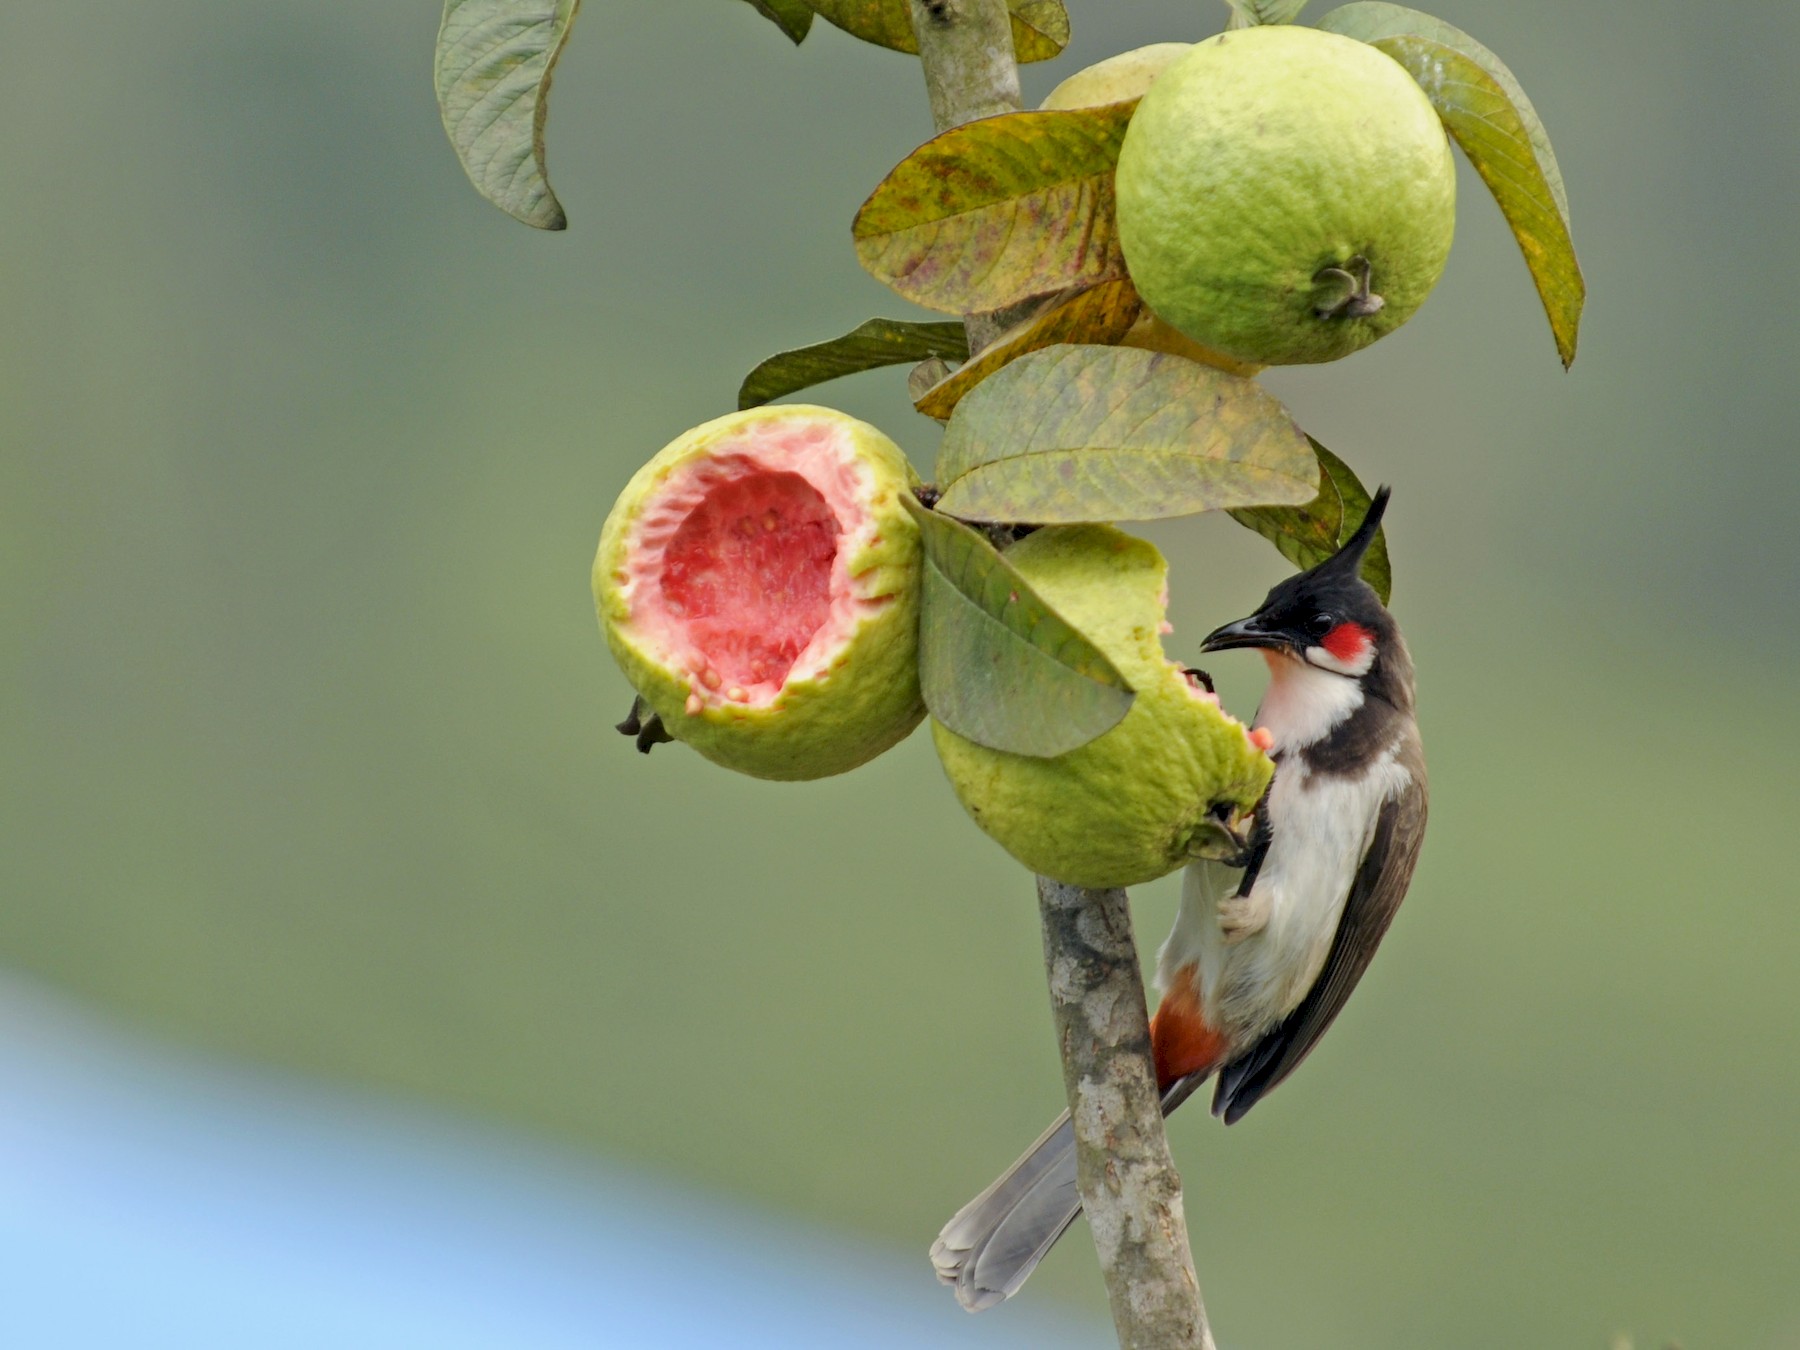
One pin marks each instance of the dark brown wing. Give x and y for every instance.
(1375, 897)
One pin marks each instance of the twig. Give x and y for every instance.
(1129, 1185)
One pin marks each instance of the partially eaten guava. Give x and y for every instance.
(758, 583)
(1162, 787)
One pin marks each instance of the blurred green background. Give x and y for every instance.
(306, 724)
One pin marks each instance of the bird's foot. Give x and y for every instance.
(1243, 916)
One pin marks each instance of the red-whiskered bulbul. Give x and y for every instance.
(1265, 950)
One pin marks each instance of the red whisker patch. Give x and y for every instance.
(1347, 642)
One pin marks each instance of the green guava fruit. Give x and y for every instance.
(1117, 78)
(1135, 803)
(1285, 195)
(758, 583)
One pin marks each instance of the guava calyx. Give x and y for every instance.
(645, 725)
(1354, 299)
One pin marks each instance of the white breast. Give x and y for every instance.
(1323, 825)
(1304, 703)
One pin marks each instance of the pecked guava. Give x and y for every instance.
(1138, 801)
(1117, 78)
(1285, 195)
(758, 583)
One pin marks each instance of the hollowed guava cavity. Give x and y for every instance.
(746, 579)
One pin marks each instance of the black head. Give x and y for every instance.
(1328, 617)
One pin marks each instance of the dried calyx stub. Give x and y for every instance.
(758, 583)
(1147, 796)
(1285, 195)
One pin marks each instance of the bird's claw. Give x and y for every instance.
(1243, 916)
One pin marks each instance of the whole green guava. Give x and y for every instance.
(1136, 802)
(1285, 195)
(758, 583)
(1125, 76)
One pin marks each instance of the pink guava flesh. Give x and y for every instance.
(747, 577)
(736, 565)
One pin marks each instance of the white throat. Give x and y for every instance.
(1305, 704)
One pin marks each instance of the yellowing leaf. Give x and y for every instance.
(1086, 433)
(1040, 27)
(1489, 116)
(1102, 314)
(999, 210)
(1308, 535)
(793, 17)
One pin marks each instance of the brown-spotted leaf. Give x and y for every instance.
(999, 210)
(492, 71)
(1101, 314)
(1489, 116)
(999, 666)
(868, 346)
(1077, 433)
(1307, 535)
(1040, 27)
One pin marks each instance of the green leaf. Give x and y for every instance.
(868, 346)
(1308, 535)
(999, 210)
(793, 17)
(1250, 13)
(1485, 110)
(1078, 433)
(1101, 314)
(1040, 27)
(493, 68)
(997, 665)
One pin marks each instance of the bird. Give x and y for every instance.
(1267, 946)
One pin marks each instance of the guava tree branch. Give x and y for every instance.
(1129, 1185)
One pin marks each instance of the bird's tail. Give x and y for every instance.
(993, 1243)
(996, 1240)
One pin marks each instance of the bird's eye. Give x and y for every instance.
(1320, 624)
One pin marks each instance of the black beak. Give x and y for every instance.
(1244, 633)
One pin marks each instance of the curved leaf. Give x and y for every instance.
(1485, 110)
(493, 68)
(999, 210)
(793, 17)
(1308, 535)
(1078, 433)
(1101, 314)
(1040, 27)
(868, 346)
(997, 665)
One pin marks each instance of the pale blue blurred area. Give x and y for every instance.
(155, 1198)
(306, 747)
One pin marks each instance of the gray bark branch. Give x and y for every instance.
(1129, 1185)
